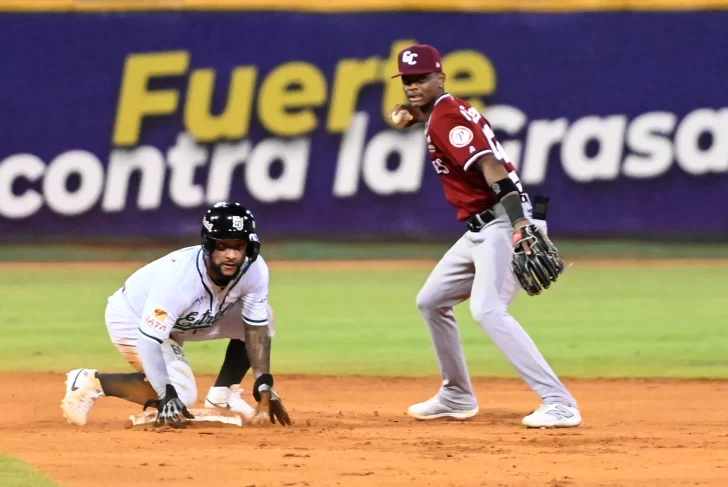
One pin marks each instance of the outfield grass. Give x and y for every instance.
(598, 321)
(17, 473)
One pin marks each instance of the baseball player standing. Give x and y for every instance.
(482, 184)
(212, 291)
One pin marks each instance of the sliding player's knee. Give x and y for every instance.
(180, 375)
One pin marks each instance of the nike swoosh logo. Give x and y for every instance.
(73, 385)
(223, 406)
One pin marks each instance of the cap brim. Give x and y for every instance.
(415, 72)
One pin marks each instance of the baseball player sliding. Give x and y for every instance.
(505, 244)
(211, 291)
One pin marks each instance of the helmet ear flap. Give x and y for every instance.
(208, 244)
(252, 249)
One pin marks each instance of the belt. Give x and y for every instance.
(479, 220)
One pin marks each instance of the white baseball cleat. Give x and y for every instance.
(433, 408)
(553, 416)
(229, 398)
(82, 390)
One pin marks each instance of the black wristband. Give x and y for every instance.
(265, 379)
(503, 187)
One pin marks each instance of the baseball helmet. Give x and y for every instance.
(230, 221)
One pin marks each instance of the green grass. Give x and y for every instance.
(17, 473)
(356, 249)
(598, 321)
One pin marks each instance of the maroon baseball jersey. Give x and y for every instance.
(457, 136)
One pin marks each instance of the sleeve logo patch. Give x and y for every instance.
(160, 314)
(155, 324)
(460, 136)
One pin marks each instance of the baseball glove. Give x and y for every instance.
(536, 260)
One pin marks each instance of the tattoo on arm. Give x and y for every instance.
(257, 343)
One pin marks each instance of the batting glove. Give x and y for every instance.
(171, 409)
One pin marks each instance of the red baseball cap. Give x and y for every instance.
(418, 59)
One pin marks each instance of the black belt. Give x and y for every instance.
(479, 220)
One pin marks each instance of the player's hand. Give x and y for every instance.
(405, 115)
(270, 407)
(520, 243)
(172, 410)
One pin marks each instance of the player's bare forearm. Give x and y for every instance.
(257, 343)
(492, 169)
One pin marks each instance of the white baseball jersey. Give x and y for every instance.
(174, 293)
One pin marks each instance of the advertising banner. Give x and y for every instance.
(133, 123)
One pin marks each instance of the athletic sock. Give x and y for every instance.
(235, 365)
(132, 387)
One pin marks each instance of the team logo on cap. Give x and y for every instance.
(409, 57)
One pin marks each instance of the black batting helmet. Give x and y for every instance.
(230, 221)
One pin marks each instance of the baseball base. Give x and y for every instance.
(202, 415)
